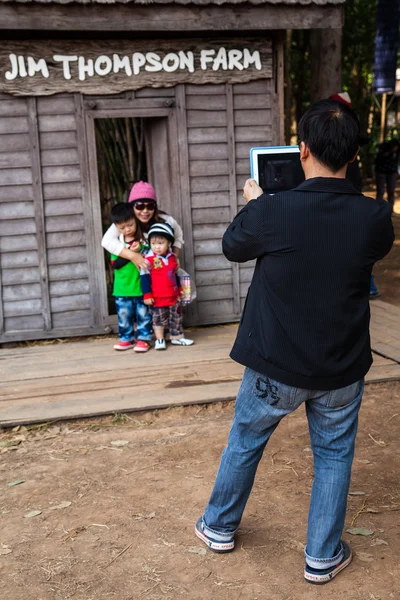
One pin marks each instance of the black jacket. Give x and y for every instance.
(306, 318)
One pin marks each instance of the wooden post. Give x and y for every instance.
(288, 86)
(383, 118)
(232, 187)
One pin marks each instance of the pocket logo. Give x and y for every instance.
(266, 389)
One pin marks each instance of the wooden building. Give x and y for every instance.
(206, 75)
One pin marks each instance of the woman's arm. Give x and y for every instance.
(178, 233)
(111, 241)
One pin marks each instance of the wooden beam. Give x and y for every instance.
(230, 117)
(165, 18)
(38, 202)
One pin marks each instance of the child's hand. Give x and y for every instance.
(182, 295)
(135, 246)
(149, 301)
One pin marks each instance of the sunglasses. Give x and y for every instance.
(143, 205)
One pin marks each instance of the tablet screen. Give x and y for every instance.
(277, 169)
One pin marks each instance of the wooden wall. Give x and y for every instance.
(45, 290)
(49, 284)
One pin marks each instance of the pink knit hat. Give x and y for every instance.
(142, 191)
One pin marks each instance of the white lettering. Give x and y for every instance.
(65, 60)
(37, 66)
(234, 57)
(10, 75)
(206, 56)
(186, 61)
(170, 58)
(154, 62)
(103, 70)
(250, 59)
(22, 68)
(138, 60)
(84, 68)
(220, 60)
(122, 63)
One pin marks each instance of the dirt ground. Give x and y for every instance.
(118, 499)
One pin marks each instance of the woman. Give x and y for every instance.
(144, 199)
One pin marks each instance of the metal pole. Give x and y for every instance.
(383, 117)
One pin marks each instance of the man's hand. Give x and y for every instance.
(149, 301)
(251, 190)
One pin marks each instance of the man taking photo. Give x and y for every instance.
(304, 332)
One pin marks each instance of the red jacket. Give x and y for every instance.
(161, 283)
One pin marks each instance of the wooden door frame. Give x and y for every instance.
(98, 280)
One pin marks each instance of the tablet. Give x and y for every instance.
(276, 168)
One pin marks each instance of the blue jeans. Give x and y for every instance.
(130, 308)
(332, 419)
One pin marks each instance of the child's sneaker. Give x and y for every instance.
(320, 576)
(123, 346)
(141, 346)
(182, 342)
(214, 545)
(160, 345)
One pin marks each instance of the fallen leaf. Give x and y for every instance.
(33, 513)
(364, 461)
(197, 550)
(356, 493)
(119, 443)
(379, 542)
(14, 483)
(359, 531)
(365, 557)
(63, 504)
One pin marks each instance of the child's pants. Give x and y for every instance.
(169, 316)
(129, 307)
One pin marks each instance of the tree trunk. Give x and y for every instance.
(326, 70)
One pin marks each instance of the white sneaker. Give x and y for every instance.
(160, 345)
(182, 342)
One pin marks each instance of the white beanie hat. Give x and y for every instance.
(163, 230)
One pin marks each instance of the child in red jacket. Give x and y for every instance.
(161, 287)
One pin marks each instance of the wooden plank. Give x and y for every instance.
(64, 223)
(20, 210)
(14, 142)
(12, 293)
(220, 277)
(61, 174)
(69, 238)
(207, 89)
(18, 332)
(214, 292)
(155, 92)
(39, 211)
(23, 308)
(212, 263)
(243, 167)
(49, 123)
(54, 208)
(73, 318)
(251, 101)
(185, 189)
(211, 310)
(208, 151)
(134, 18)
(198, 135)
(65, 156)
(205, 199)
(16, 193)
(57, 139)
(15, 226)
(206, 102)
(212, 216)
(9, 160)
(16, 177)
(204, 247)
(57, 105)
(201, 118)
(13, 125)
(209, 231)
(259, 86)
(23, 324)
(14, 260)
(14, 107)
(246, 273)
(280, 76)
(217, 183)
(243, 150)
(67, 272)
(252, 117)
(208, 167)
(231, 116)
(13, 243)
(54, 191)
(251, 133)
(64, 288)
(60, 256)
(20, 276)
(70, 303)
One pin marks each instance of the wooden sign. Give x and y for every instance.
(37, 68)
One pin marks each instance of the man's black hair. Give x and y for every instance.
(122, 212)
(331, 132)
